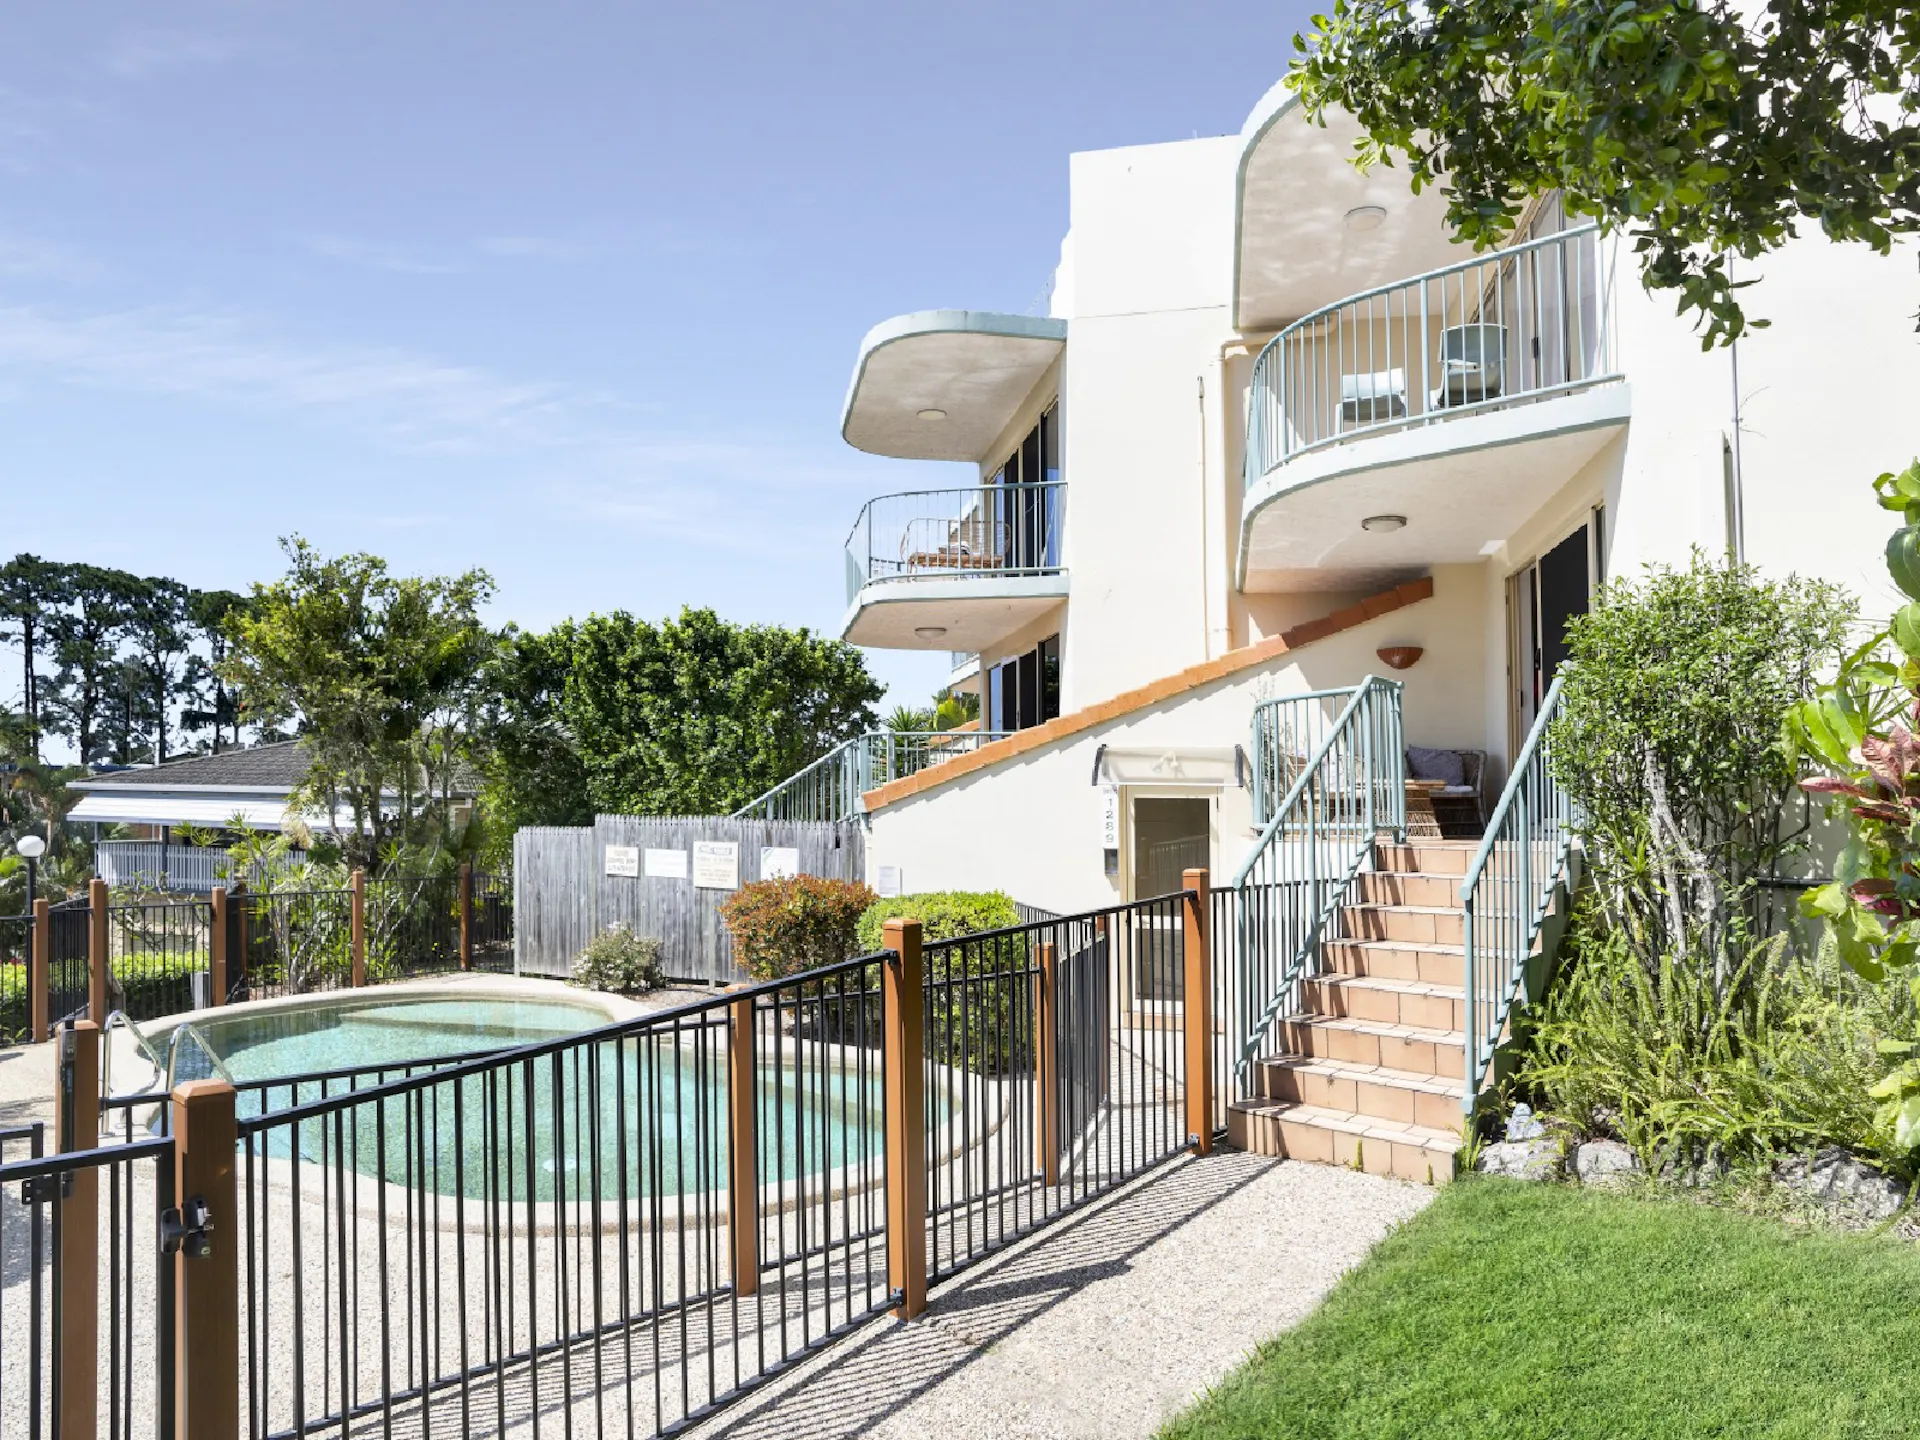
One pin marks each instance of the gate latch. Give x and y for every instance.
(187, 1229)
(39, 1189)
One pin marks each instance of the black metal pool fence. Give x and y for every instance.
(164, 955)
(616, 1232)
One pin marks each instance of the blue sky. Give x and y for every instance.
(569, 291)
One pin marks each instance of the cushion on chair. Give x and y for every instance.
(1442, 765)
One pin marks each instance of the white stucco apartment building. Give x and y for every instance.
(1277, 423)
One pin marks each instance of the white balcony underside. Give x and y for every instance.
(972, 612)
(1462, 483)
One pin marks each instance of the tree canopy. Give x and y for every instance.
(1703, 132)
(380, 674)
(692, 716)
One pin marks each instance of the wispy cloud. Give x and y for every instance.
(373, 255)
(140, 54)
(420, 400)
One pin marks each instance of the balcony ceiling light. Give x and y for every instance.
(930, 413)
(1363, 218)
(930, 632)
(1384, 524)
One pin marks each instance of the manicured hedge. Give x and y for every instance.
(943, 915)
(979, 993)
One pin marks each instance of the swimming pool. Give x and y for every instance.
(638, 1113)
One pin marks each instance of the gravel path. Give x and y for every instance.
(1104, 1325)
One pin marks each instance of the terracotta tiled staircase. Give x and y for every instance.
(1371, 1071)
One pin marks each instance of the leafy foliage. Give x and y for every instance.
(1703, 131)
(1669, 745)
(620, 961)
(1860, 729)
(943, 915)
(697, 716)
(1779, 1055)
(381, 673)
(786, 926)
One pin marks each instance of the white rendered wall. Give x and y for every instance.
(1151, 269)
(1030, 826)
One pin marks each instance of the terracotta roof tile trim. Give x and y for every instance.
(1165, 688)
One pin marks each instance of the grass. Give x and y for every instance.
(1518, 1311)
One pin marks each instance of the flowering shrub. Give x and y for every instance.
(620, 961)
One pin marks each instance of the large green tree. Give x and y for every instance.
(93, 707)
(535, 774)
(32, 591)
(375, 670)
(697, 716)
(1703, 132)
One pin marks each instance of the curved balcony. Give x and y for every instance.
(954, 569)
(1456, 400)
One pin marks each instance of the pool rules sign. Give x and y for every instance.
(716, 865)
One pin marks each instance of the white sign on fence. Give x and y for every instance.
(667, 864)
(623, 860)
(888, 877)
(716, 865)
(779, 862)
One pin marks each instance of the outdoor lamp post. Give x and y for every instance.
(32, 847)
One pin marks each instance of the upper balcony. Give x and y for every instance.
(954, 569)
(1415, 423)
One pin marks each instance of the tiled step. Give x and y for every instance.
(1387, 1002)
(1427, 857)
(1420, 924)
(1441, 965)
(1407, 887)
(1365, 1042)
(1333, 1137)
(1370, 1090)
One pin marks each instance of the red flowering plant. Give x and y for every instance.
(1861, 729)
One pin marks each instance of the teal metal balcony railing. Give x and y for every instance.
(943, 534)
(1509, 890)
(1512, 326)
(830, 788)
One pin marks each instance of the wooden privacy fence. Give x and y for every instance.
(569, 888)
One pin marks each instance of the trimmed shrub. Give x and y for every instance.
(943, 915)
(782, 927)
(978, 991)
(620, 961)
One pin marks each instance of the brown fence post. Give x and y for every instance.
(1197, 1012)
(238, 955)
(97, 959)
(206, 1275)
(77, 1103)
(217, 946)
(40, 969)
(357, 888)
(466, 915)
(1046, 1069)
(743, 1155)
(906, 1080)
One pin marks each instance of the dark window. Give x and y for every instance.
(1027, 515)
(1024, 691)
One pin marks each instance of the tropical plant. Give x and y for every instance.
(1705, 132)
(1860, 729)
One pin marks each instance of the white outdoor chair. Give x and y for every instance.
(1473, 365)
(1368, 399)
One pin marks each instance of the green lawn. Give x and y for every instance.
(1511, 1310)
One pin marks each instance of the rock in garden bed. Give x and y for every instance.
(1605, 1162)
(1842, 1184)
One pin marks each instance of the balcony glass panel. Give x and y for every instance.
(1509, 327)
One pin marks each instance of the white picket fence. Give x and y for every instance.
(177, 869)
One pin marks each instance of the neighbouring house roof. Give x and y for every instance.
(273, 769)
(210, 790)
(1165, 688)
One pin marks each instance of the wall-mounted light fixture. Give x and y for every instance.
(1399, 657)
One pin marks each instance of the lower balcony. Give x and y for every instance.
(1417, 424)
(957, 570)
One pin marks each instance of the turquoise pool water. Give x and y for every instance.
(633, 1116)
